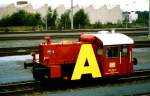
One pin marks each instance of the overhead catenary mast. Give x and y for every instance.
(149, 22)
(72, 15)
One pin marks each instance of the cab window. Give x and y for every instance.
(112, 51)
(124, 50)
(99, 51)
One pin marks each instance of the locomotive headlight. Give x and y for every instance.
(50, 52)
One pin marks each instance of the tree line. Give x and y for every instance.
(23, 18)
(81, 20)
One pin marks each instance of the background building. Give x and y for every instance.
(133, 17)
(43, 10)
(60, 10)
(102, 14)
(23, 5)
(7, 10)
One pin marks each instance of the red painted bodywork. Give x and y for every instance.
(55, 55)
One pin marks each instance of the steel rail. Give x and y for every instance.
(31, 86)
(74, 30)
(57, 35)
(28, 50)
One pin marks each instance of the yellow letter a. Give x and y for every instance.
(86, 53)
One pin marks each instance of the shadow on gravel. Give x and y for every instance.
(64, 85)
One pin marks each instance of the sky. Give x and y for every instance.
(126, 5)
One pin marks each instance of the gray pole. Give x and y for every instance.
(149, 21)
(46, 17)
(72, 15)
(127, 17)
(46, 22)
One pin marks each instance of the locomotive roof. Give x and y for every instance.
(114, 38)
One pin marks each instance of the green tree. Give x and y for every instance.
(98, 25)
(5, 21)
(81, 19)
(18, 18)
(21, 18)
(142, 18)
(52, 17)
(65, 21)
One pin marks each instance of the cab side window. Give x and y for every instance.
(124, 50)
(112, 51)
(99, 51)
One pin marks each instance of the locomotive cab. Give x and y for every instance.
(113, 53)
(117, 60)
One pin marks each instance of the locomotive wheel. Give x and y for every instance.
(40, 73)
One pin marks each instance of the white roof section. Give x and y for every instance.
(114, 38)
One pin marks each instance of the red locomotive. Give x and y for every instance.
(98, 55)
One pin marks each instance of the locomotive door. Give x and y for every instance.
(112, 64)
(125, 59)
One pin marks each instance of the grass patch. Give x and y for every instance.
(19, 28)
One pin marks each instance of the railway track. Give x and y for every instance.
(75, 30)
(33, 86)
(64, 34)
(18, 87)
(28, 50)
(40, 35)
